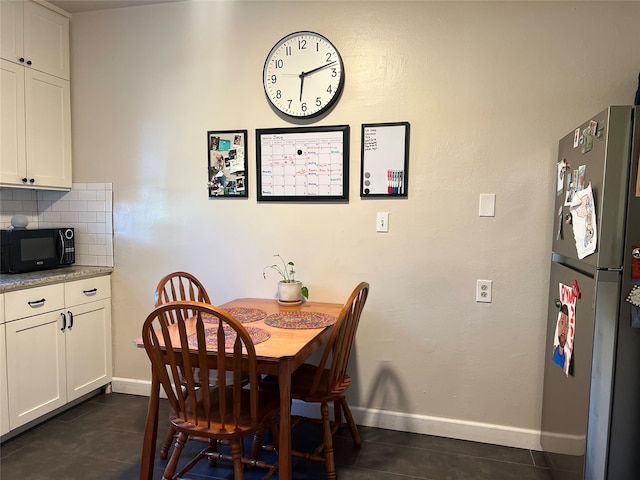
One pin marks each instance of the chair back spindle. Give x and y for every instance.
(179, 286)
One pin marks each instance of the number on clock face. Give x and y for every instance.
(303, 75)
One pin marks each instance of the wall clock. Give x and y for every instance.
(303, 75)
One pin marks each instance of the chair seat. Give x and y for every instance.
(213, 378)
(301, 383)
(268, 405)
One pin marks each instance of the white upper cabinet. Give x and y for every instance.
(13, 155)
(35, 97)
(35, 36)
(35, 139)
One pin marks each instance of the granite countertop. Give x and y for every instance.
(19, 281)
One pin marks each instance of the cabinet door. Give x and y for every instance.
(46, 40)
(36, 372)
(88, 345)
(48, 130)
(13, 160)
(11, 31)
(4, 397)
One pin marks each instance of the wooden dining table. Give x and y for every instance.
(284, 351)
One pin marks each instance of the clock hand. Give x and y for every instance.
(301, 84)
(304, 74)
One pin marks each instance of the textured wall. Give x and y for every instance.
(488, 88)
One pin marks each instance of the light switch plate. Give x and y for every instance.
(382, 222)
(487, 205)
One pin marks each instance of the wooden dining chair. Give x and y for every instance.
(177, 348)
(327, 382)
(179, 286)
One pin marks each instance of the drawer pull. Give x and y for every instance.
(64, 321)
(37, 303)
(70, 319)
(93, 291)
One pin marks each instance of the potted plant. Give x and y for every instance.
(290, 290)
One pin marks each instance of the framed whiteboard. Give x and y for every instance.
(303, 164)
(385, 160)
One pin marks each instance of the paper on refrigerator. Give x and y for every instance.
(565, 330)
(583, 219)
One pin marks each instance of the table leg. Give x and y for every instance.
(284, 453)
(150, 431)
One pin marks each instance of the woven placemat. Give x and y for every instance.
(258, 335)
(242, 314)
(300, 320)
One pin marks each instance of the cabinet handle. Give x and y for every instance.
(70, 319)
(64, 321)
(32, 180)
(93, 291)
(37, 303)
(28, 62)
(21, 59)
(24, 180)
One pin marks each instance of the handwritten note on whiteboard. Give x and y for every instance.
(385, 159)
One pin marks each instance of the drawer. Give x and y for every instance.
(33, 301)
(87, 290)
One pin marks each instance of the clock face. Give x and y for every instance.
(303, 75)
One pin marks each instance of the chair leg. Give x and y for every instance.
(256, 444)
(213, 447)
(166, 444)
(327, 441)
(274, 426)
(352, 424)
(236, 455)
(337, 412)
(170, 470)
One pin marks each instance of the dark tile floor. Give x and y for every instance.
(102, 439)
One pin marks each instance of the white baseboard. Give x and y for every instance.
(406, 422)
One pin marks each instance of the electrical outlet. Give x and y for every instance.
(382, 222)
(483, 291)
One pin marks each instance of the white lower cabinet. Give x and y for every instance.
(60, 353)
(4, 397)
(35, 367)
(88, 336)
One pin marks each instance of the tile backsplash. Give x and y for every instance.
(87, 207)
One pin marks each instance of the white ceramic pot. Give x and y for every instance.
(290, 293)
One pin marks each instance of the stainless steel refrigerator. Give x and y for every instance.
(591, 396)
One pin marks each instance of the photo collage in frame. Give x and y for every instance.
(227, 176)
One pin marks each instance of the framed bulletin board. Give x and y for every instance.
(227, 172)
(303, 164)
(385, 160)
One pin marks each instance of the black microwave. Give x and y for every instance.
(23, 250)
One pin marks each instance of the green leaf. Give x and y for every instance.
(305, 292)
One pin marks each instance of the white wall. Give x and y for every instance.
(488, 88)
